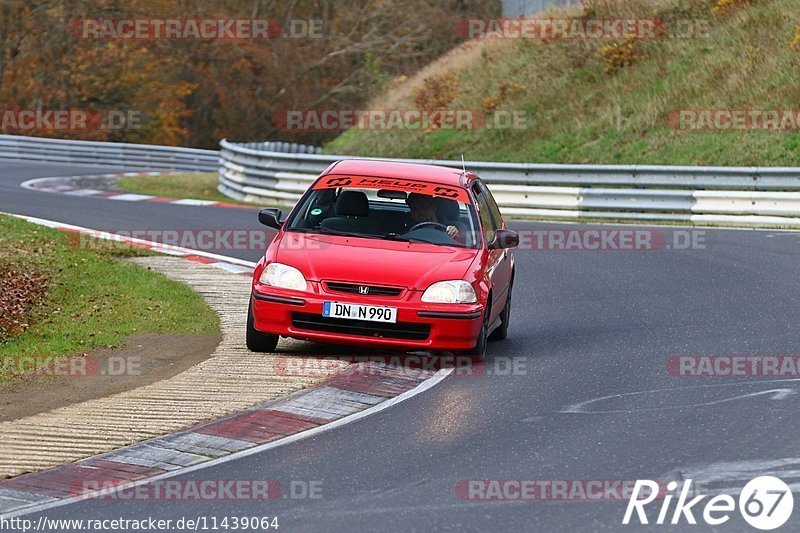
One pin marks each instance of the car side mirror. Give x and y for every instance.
(504, 238)
(271, 217)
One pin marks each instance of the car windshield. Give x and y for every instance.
(380, 208)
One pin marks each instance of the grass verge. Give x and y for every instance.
(88, 298)
(592, 102)
(192, 185)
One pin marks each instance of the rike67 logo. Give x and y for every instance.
(765, 503)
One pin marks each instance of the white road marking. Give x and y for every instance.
(193, 202)
(729, 477)
(234, 269)
(83, 192)
(775, 394)
(130, 197)
(157, 246)
(32, 184)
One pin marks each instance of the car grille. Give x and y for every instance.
(364, 328)
(354, 288)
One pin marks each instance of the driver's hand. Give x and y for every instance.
(452, 231)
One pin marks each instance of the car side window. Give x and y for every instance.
(493, 207)
(484, 213)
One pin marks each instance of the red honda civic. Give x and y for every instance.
(387, 255)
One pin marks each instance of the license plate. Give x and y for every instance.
(373, 313)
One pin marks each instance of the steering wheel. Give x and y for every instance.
(433, 224)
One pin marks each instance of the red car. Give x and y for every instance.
(393, 256)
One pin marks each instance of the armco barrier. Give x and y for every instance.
(278, 172)
(747, 196)
(106, 154)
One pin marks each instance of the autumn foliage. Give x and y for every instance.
(194, 92)
(618, 56)
(723, 7)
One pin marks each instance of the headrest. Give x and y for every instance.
(447, 209)
(352, 204)
(416, 198)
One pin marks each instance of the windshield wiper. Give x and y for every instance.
(347, 233)
(402, 238)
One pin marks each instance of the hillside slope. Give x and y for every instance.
(577, 112)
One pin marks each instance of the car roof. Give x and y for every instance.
(396, 169)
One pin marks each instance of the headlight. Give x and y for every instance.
(283, 277)
(450, 292)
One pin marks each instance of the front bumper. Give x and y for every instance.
(420, 326)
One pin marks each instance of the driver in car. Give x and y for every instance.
(423, 209)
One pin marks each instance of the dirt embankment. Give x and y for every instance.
(144, 359)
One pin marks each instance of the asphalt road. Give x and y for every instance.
(119, 216)
(585, 325)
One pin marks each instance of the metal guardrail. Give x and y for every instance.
(278, 172)
(91, 153)
(518, 8)
(281, 172)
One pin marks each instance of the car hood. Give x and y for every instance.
(381, 262)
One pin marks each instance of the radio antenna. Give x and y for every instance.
(463, 164)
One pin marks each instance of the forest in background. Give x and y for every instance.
(195, 92)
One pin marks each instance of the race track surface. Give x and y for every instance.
(585, 325)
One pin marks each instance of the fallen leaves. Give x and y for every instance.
(19, 291)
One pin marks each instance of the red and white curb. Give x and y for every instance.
(63, 185)
(340, 400)
(230, 264)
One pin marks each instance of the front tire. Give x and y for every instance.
(479, 351)
(258, 341)
(501, 331)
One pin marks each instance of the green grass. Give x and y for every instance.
(578, 114)
(93, 298)
(196, 186)
(191, 185)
